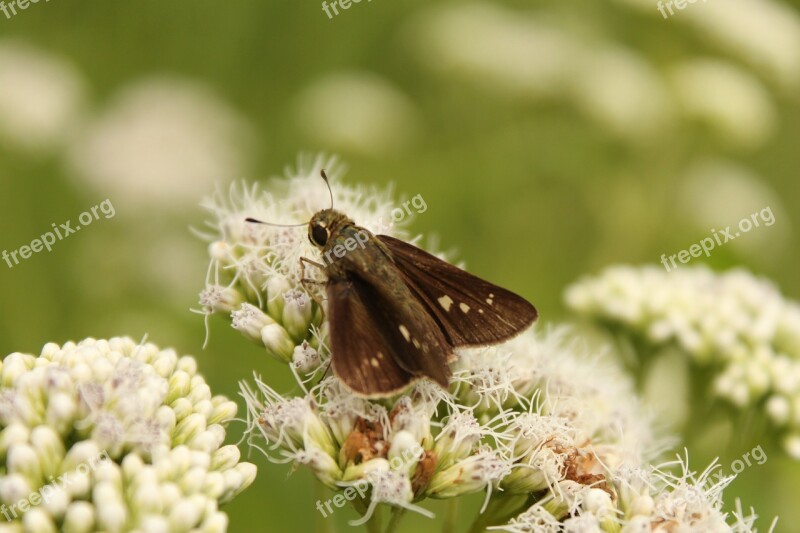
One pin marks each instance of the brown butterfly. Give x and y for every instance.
(396, 312)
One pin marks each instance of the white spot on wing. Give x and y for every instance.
(416, 344)
(374, 362)
(489, 301)
(445, 301)
(405, 332)
(464, 308)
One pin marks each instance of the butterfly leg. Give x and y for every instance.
(305, 282)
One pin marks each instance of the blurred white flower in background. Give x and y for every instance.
(764, 33)
(716, 193)
(41, 97)
(534, 54)
(356, 112)
(733, 322)
(526, 55)
(494, 48)
(731, 101)
(162, 141)
(619, 89)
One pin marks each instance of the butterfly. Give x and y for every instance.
(396, 312)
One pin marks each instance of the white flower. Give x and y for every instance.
(139, 443)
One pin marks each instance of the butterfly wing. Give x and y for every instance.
(382, 336)
(470, 311)
(360, 355)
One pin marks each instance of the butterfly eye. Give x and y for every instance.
(319, 235)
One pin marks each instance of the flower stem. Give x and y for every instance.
(374, 523)
(324, 525)
(397, 515)
(449, 525)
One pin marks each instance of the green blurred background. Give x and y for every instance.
(548, 140)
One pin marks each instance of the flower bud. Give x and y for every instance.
(79, 518)
(404, 452)
(277, 286)
(10, 435)
(223, 412)
(186, 514)
(249, 320)
(22, 459)
(218, 299)
(277, 342)
(226, 457)
(39, 521)
(48, 447)
(297, 313)
(305, 358)
(457, 438)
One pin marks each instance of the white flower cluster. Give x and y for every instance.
(574, 440)
(733, 320)
(111, 435)
(534, 417)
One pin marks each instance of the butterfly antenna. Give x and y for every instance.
(330, 191)
(256, 221)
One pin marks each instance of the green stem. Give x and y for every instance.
(397, 515)
(450, 518)
(323, 524)
(374, 523)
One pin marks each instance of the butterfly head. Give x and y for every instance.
(324, 224)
